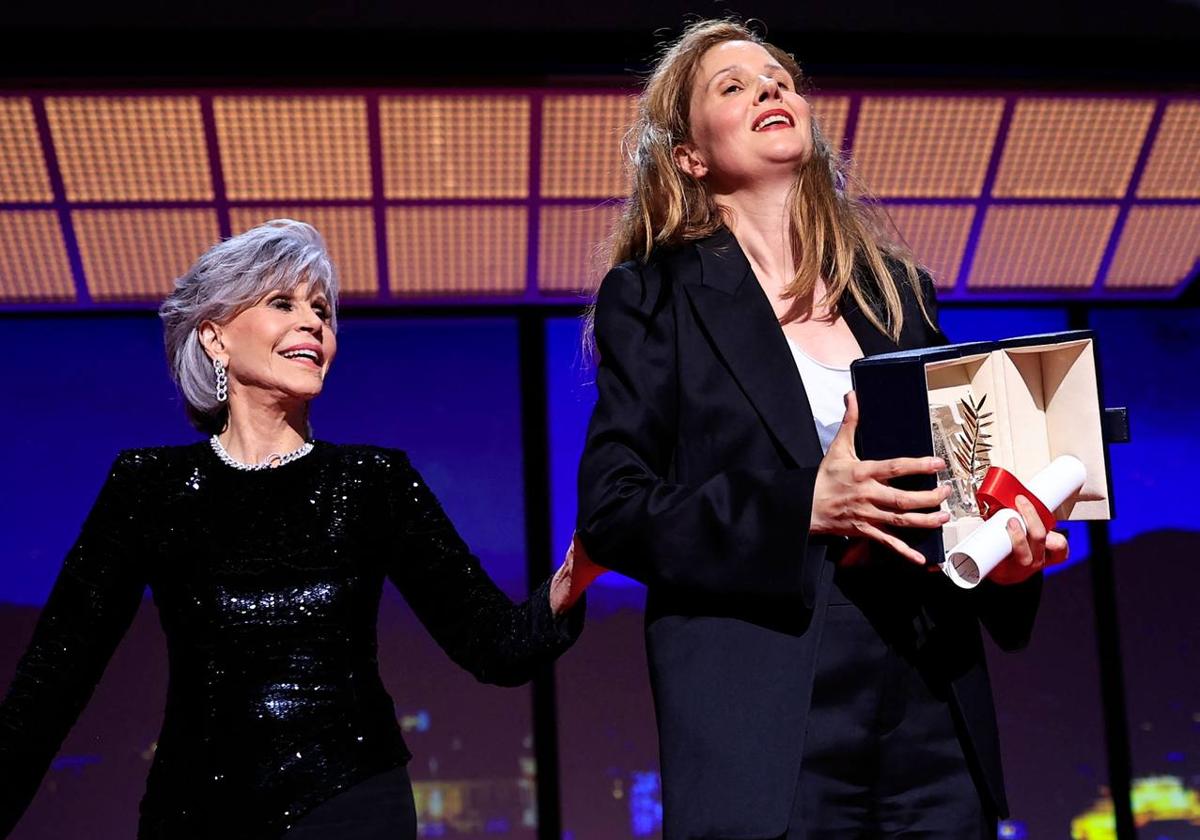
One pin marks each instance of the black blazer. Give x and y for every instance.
(697, 480)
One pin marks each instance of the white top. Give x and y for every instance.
(826, 387)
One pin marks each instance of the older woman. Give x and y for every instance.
(806, 687)
(266, 552)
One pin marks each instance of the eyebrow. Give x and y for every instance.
(772, 67)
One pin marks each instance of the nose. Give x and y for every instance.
(768, 88)
(311, 322)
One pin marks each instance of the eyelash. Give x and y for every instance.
(729, 88)
(320, 310)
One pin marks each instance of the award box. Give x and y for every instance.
(1039, 396)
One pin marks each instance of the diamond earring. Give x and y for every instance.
(222, 381)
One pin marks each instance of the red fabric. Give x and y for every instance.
(999, 490)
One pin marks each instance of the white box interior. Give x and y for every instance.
(1045, 403)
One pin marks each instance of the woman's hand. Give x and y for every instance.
(573, 577)
(850, 497)
(1033, 550)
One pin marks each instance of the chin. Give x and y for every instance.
(305, 393)
(788, 151)
(775, 165)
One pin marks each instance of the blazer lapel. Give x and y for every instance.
(735, 312)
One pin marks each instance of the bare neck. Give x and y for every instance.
(761, 223)
(259, 428)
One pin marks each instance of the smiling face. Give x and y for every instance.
(747, 123)
(279, 348)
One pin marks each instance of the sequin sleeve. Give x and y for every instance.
(466, 613)
(92, 604)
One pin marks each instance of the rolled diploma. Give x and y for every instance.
(973, 559)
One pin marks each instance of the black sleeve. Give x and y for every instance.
(476, 624)
(1007, 612)
(92, 604)
(739, 532)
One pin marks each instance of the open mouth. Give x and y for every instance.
(773, 120)
(303, 355)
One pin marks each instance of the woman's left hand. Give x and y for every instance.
(1033, 549)
(573, 577)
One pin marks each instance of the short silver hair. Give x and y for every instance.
(233, 275)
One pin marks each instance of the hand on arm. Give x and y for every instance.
(478, 626)
(573, 577)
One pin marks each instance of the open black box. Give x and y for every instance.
(1043, 391)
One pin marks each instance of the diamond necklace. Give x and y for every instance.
(271, 461)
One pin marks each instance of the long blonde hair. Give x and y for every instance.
(836, 229)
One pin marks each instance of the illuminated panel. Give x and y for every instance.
(294, 146)
(23, 175)
(937, 236)
(571, 248)
(457, 250)
(1159, 248)
(925, 146)
(1173, 170)
(130, 148)
(455, 146)
(1048, 247)
(33, 258)
(137, 254)
(349, 234)
(831, 113)
(1072, 148)
(582, 145)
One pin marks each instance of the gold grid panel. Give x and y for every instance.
(349, 234)
(925, 146)
(582, 139)
(33, 258)
(1072, 148)
(1173, 170)
(457, 250)
(1160, 247)
(937, 236)
(23, 175)
(130, 148)
(1055, 247)
(473, 146)
(831, 113)
(281, 147)
(137, 254)
(571, 246)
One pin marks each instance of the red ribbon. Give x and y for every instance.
(999, 490)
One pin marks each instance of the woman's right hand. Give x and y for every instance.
(851, 497)
(573, 577)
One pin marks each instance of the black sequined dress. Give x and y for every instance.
(267, 586)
